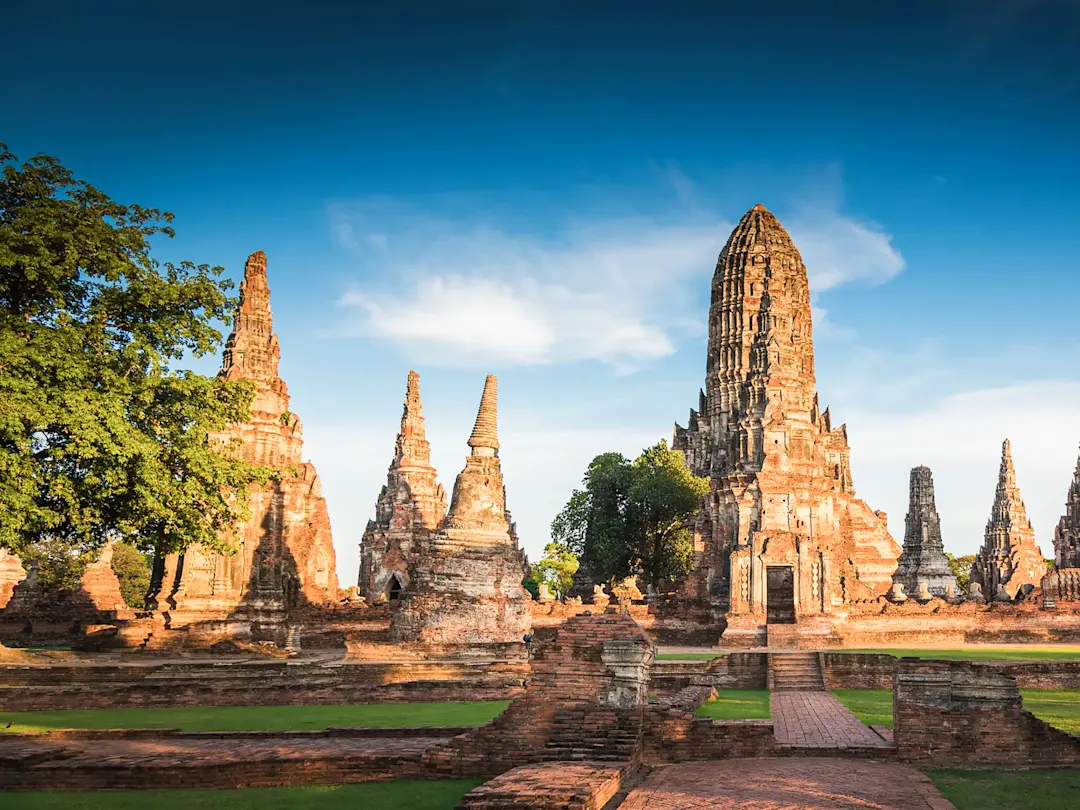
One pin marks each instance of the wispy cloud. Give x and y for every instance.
(455, 289)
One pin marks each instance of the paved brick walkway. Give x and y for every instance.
(818, 720)
(795, 783)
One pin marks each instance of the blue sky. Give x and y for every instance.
(540, 190)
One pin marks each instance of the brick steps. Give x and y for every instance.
(796, 671)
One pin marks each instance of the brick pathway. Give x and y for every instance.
(818, 720)
(786, 784)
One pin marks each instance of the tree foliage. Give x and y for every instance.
(557, 568)
(961, 568)
(633, 516)
(98, 437)
(132, 568)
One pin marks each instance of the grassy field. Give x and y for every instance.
(737, 704)
(406, 794)
(872, 706)
(258, 718)
(1008, 790)
(1058, 707)
(1017, 652)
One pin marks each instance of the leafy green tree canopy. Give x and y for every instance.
(132, 569)
(961, 569)
(98, 437)
(557, 568)
(633, 516)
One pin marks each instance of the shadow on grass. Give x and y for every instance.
(1008, 790)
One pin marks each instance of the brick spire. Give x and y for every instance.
(1067, 533)
(485, 431)
(1009, 559)
(252, 351)
(412, 446)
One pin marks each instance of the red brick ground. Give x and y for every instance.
(786, 784)
(818, 720)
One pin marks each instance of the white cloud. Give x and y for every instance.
(838, 250)
(459, 292)
(959, 437)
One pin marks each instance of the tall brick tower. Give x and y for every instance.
(1009, 560)
(408, 510)
(1067, 533)
(285, 554)
(782, 535)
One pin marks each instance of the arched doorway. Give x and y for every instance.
(393, 589)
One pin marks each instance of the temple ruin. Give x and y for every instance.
(284, 556)
(409, 508)
(1010, 562)
(923, 567)
(782, 535)
(1067, 532)
(465, 588)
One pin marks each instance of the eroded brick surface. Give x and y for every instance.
(786, 784)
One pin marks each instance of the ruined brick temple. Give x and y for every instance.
(923, 568)
(1009, 563)
(465, 587)
(284, 553)
(781, 536)
(1067, 532)
(408, 510)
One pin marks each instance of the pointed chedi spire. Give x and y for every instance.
(1010, 559)
(412, 447)
(252, 351)
(1067, 532)
(478, 506)
(485, 431)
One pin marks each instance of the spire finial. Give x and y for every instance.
(485, 431)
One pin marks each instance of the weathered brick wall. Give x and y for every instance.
(254, 684)
(674, 734)
(859, 670)
(956, 713)
(740, 670)
(576, 705)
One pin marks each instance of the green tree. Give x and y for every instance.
(557, 568)
(961, 568)
(633, 516)
(530, 584)
(132, 568)
(98, 437)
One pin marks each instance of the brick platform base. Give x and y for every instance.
(549, 786)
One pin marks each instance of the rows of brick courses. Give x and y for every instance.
(206, 761)
(584, 702)
(674, 734)
(26, 688)
(956, 713)
(549, 786)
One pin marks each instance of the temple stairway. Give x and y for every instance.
(796, 671)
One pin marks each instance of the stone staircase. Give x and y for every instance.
(796, 671)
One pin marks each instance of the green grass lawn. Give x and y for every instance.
(1008, 790)
(688, 656)
(1033, 652)
(259, 718)
(737, 704)
(405, 794)
(1058, 707)
(872, 706)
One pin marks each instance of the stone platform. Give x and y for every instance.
(779, 784)
(136, 758)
